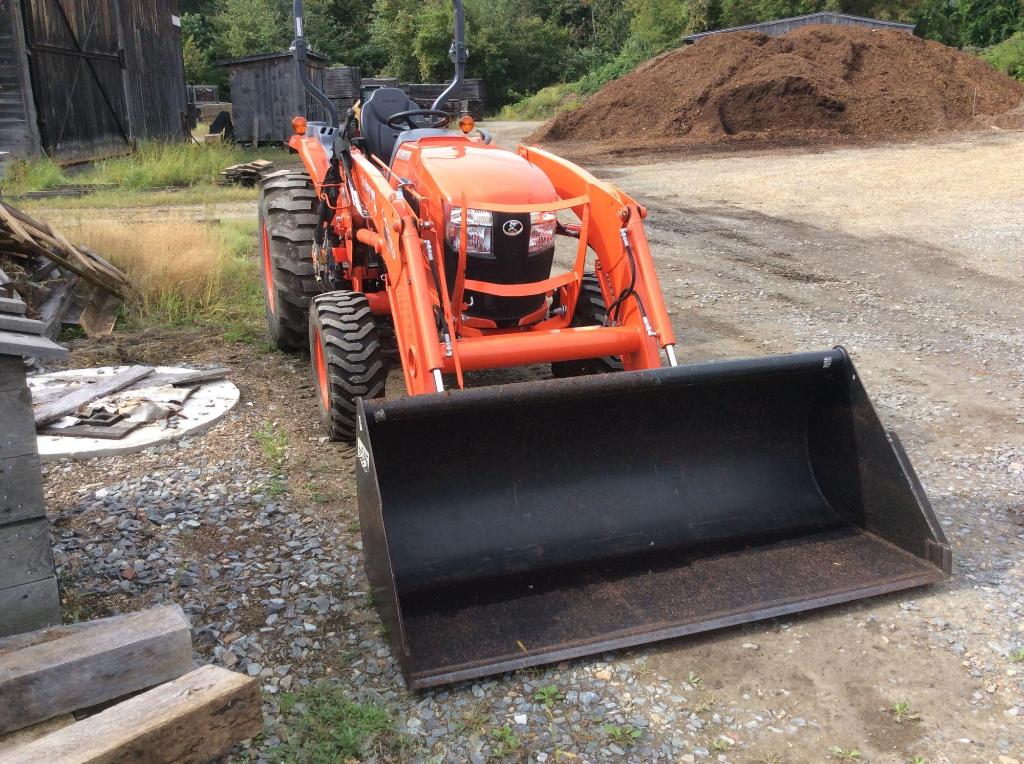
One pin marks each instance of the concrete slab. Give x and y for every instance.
(206, 406)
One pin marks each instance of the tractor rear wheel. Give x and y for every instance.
(590, 311)
(287, 225)
(347, 358)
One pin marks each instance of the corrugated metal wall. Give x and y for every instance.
(101, 74)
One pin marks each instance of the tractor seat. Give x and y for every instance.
(382, 104)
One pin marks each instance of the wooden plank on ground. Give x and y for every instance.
(13, 740)
(190, 377)
(100, 313)
(29, 606)
(197, 718)
(114, 431)
(21, 489)
(106, 659)
(65, 405)
(25, 554)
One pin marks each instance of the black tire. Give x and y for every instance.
(346, 357)
(288, 223)
(590, 311)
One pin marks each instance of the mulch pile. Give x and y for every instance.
(817, 84)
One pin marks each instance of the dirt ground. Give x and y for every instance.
(908, 255)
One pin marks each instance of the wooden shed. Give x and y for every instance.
(85, 79)
(266, 93)
(779, 27)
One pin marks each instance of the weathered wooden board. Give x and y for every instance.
(190, 377)
(108, 659)
(25, 554)
(29, 606)
(63, 406)
(9, 323)
(12, 373)
(21, 489)
(30, 346)
(12, 305)
(18, 433)
(102, 432)
(13, 740)
(197, 718)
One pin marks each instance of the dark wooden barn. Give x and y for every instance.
(779, 27)
(84, 79)
(266, 93)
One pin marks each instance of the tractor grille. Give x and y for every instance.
(509, 263)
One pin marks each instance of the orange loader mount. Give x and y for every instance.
(623, 501)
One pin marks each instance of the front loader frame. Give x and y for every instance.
(433, 335)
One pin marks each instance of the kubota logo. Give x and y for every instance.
(512, 228)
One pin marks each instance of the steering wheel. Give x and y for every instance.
(438, 119)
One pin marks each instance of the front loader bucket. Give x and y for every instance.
(520, 524)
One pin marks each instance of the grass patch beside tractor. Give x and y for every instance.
(186, 273)
(153, 165)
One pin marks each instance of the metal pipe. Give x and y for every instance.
(458, 54)
(299, 48)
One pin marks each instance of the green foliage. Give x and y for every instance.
(521, 47)
(162, 165)
(40, 174)
(544, 104)
(327, 727)
(622, 734)
(1008, 57)
(548, 695)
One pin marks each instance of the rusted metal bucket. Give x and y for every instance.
(520, 524)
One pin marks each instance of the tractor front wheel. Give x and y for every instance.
(590, 311)
(287, 225)
(347, 358)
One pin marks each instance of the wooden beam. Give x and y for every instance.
(100, 661)
(65, 405)
(13, 740)
(197, 718)
(29, 606)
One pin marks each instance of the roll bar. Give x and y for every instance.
(458, 54)
(299, 48)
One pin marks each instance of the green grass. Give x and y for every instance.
(274, 444)
(845, 754)
(153, 165)
(333, 728)
(184, 273)
(902, 712)
(126, 198)
(1017, 656)
(545, 103)
(625, 734)
(548, 695)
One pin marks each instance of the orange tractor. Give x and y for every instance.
(515, 524)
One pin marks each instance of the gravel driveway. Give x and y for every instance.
(252, 527)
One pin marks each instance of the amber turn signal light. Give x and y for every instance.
(466, 123)
(299, 125)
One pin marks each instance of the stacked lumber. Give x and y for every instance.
(343, 85)
(61, 283)
(28, 586)
(62, 680)
(247, 174)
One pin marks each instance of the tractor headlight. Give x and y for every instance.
(479, 224)
(542, 230)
